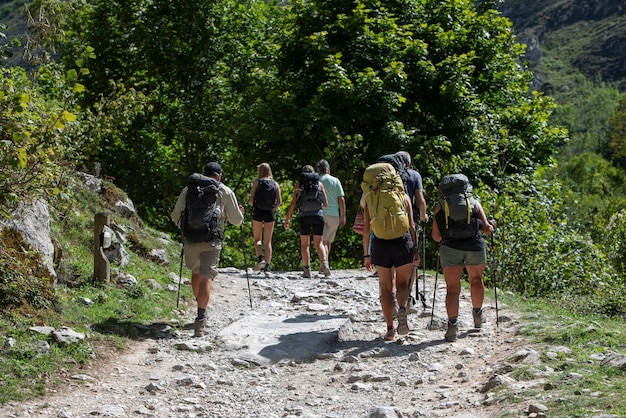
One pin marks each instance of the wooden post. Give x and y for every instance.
(101, 265)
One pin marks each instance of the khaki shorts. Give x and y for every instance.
(331, 225)
(450, 257)
(203, 258)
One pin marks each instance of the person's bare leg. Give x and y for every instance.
(322, 254)
(452, 276)
(386, 288)
(320, 247)
(201, 286)
(401, 284)
(268, 232)
(477, 291)
(477, 285)
(305, 252)
(257, 229)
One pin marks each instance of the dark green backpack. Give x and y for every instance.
(457, 204)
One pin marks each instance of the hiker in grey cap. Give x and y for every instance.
(202, 255)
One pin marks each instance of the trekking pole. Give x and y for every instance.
(432, 312)
(180, 275)
(493, 273)
(412, 278)
(245, 263)
(423, 265)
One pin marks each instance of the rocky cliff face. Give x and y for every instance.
(593, 32)
(555, 14)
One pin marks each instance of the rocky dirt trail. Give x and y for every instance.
(307, 348)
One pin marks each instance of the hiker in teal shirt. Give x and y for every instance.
(335, 212)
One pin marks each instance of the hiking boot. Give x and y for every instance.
(325, 269)
(199, 327)
(266, 269)
(403, 326)
(479, 318)
(391, 335)
(259, 266)
(451, 332)
(307, 273)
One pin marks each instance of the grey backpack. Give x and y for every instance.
(457, 203)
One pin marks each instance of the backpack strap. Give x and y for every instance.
(469, 208)
(446, 210)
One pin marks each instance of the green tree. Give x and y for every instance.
(174, 74)
(439, 78)
(38, 114)
(617, 134)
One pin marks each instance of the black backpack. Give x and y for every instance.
(398, 164)
(201, 214)
(457, 204)
(310, 198)
(265, 195)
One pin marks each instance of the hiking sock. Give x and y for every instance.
(477, 310)
(260, 258)
(201, 313)
(453, 320)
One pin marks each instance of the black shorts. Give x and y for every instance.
(263, 215)
(306, 224)
(392, 252)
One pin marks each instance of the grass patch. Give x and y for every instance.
(571, 347)
(31, 363)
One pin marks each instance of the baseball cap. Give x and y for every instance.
(212, 169)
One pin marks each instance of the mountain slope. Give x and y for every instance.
(586, 35)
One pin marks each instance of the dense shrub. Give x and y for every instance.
(23, 279)
(540, 254)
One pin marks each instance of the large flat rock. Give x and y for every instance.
(268, 339)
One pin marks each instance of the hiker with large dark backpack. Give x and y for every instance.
(201, 211)
(265, 199)
(414, 188)
(459, 221)
(309, 197)
(389, 217)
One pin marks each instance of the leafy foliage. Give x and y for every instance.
(23, 279)
(437, 78)
(541, 253)
(617, 134)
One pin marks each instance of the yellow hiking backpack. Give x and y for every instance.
(384, 195)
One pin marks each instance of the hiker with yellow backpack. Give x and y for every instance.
(389, 216)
